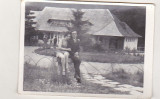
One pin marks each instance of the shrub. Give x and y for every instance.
(124, 77)
(134, 51)
(127, 50)
(86, 43)
(39, 77)
(110, 57)
(98, 47)
(96, 56)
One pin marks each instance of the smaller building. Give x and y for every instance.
(110, 31)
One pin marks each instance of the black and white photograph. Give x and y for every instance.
(84, 48)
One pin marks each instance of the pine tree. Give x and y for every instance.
(29, 29)
(81, 26)
(78, 24)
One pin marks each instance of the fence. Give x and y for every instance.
(140, 49)
(35, 63)
(113, 67)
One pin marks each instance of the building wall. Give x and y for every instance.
(120, 43)
(51, 36)
(130, 42)
(109, 42)
(60, 38)
(104, 40)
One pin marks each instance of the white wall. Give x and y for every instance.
(60, 38)
(130, 42)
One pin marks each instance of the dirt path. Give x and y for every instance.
(92, 73)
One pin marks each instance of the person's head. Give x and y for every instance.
(67, 36)
(74, 34)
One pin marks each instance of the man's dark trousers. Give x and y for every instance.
(76, 62)
(75, 47)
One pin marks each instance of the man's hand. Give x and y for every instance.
(76, 54)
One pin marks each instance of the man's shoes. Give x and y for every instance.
(78, 80)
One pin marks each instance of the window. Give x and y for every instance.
(130, 39)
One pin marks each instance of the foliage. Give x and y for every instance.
(135, 18)
(81, 26)
(46, 52)
(41, 77)
(98, 47)
(127, 50)
(106, 57)
(86, 43)
(29, 29)
(96, 56)
(124, 77)
(47, 80)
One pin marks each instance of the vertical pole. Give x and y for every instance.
(57, 38)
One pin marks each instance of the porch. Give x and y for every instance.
(110, 43)
(51, 35)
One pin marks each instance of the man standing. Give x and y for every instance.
(73, 43)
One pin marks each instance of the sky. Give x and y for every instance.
(41, 5)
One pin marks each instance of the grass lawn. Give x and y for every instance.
(123, 77)
(99, 56)
(46, 80)
(47, 52)
(110, 57)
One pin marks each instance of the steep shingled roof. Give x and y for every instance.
(124, 29)
(53, 13)
(104, 23)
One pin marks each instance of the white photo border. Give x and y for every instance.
(148, 59)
